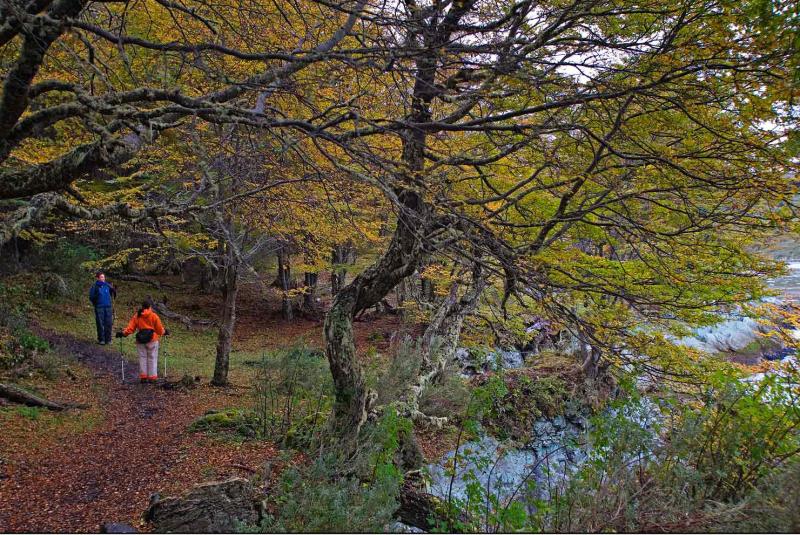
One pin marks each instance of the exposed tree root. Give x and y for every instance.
(419, 508)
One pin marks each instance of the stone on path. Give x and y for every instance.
(214, 507)
(117, 527)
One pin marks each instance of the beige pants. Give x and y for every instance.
(148, 359)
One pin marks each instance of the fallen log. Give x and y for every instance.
(162, 309)
(138, 278)
(20, 395)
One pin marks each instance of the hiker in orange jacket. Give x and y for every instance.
(148, 328)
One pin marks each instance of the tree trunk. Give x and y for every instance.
(309, 297)
(285, 282)
(426, 289)
(230, 289)
(418, 508)
(341, 254)
(352, 399)
(19, 395)
(337, 274)
(406, 251)
(440, 340)
(592, 355)
(33, 49)
(591, 361)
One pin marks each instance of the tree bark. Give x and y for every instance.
(58, 173)
(309, 297)
(440, 341)
(426, 289)
(419, 508)
(19, 395)
(591, 353)
(341, 254)
(406, 249)
(352, 398)
(591, 360)
(285, 282)
(230, 289)
(39, 35)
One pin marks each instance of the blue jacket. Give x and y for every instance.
(101, 294)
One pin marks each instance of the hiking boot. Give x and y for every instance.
(101, 343)
(142, 378)
(153, 378)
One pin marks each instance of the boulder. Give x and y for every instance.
(213, 507)
(53, 286)
(117, 527)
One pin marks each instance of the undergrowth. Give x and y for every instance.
(333, 494)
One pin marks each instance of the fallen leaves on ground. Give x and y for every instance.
(60, 476)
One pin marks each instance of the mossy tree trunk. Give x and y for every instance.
(409, 247)
(352, 398)
(440, 340)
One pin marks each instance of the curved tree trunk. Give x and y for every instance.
(352, 399)
(440, 340)
(406, 251)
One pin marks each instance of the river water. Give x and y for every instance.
(558, 446)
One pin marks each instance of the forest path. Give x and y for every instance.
(107, 472)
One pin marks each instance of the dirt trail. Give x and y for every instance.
(107, 473)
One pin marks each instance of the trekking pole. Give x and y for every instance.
(165, 357)
(121, 359)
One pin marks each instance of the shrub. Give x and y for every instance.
(527, 399)
(291, 400)
(31, 342)
(18, 345)
(712, 463)
(318, 500)
(359, 494)
(12, 317)
(403, 369)
(68, 260)
(774, 506)
(445, 399)
(47, 363)
(230, 423)
(292, 395)
(727, 460)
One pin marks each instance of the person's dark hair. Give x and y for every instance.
(98, 273)
(145, 305)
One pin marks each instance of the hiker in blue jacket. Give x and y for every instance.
(102, 296)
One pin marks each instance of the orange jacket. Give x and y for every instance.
(148, 320)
